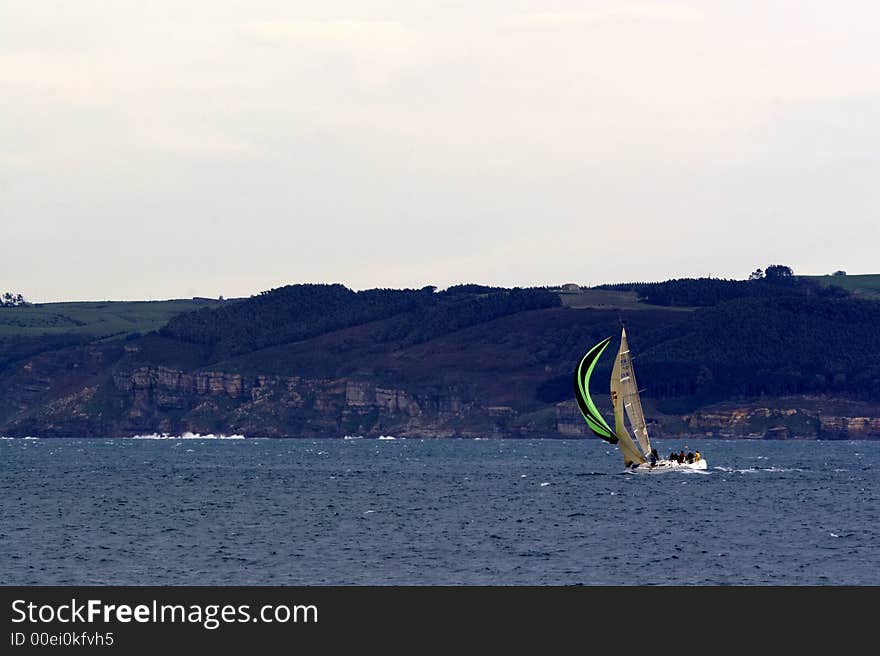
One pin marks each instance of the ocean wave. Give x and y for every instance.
(187, 436)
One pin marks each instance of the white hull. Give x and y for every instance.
(668, 465)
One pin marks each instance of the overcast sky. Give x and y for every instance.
(205, 147)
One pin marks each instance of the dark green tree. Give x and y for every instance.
(778, 271)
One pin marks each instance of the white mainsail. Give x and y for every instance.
(628, 448)
(625, 396)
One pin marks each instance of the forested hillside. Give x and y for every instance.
(298, 312)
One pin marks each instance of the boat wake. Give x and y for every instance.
(658, 470)
(758, 470)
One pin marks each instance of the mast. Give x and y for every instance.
(628, 391)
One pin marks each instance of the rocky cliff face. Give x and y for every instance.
(782, 423)
(849, 428)
(212, 401)
(749, 421)
(162, 399)
(157, 399)
(755, 422)
(90, 392)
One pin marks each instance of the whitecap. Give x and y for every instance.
(187, 436)
(730, 470)
(210, 436)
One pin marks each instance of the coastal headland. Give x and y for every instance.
(773, 357)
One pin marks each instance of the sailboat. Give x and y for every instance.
(636, 449)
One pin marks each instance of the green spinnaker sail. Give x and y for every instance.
(595, 421)
(588, 409)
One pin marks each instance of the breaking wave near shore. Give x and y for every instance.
(187, 436)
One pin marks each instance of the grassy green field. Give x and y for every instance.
(607, 299)
(864, 285)
(98, 320)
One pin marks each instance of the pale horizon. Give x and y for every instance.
(204, 149)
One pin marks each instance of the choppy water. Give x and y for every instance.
(188, 511)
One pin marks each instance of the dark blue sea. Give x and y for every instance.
(293, 512)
